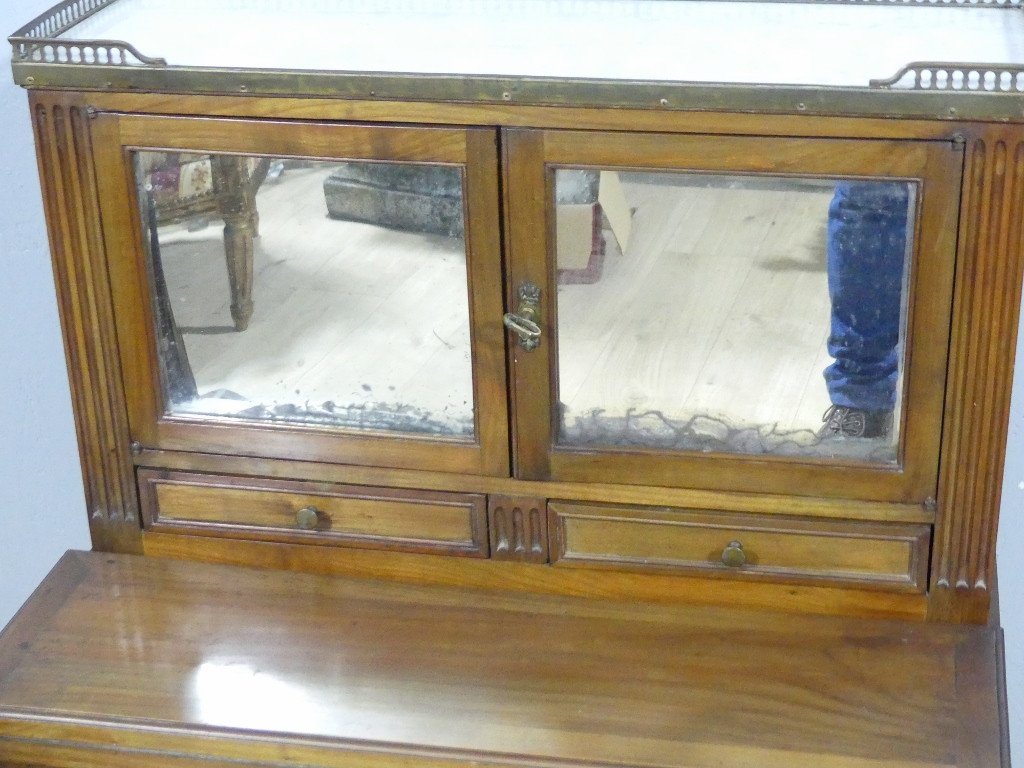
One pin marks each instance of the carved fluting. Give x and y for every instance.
(518, 529)
(988, 287)
(68, 182)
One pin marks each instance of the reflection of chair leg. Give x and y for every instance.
(173, 358)
(236, 203)
(238, 248)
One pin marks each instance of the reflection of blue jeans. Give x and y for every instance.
(867, 238)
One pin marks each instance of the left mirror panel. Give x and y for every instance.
(309, 292)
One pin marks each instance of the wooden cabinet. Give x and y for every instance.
(680, 367)
(377, 339)
(670, 327)
(684, 370)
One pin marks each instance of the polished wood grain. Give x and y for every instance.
(532, 578)
(68, 176)
(518, 115)
(862, 554)
(179, 663)
(989, 274)
(772, 504)
(476, 150)
(529, 157)
(353, 516)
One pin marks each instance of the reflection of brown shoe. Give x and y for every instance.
(841, 421)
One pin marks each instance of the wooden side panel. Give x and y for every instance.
(986, 302)
(517, 529)
(315, 513)
(68, 176)
(865, 555)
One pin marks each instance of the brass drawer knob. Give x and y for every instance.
(733, 555)
(307, 518)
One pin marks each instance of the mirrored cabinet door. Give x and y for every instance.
(311, 290)
(758, 314)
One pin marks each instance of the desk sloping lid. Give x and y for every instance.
(118, 657)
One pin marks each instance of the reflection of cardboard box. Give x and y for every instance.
(579, 242)
(579, 239)
(612, 198)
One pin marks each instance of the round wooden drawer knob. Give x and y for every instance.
(307, 518)
(733, 555)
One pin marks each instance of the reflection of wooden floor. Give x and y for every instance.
(719, 307)
(345, 313)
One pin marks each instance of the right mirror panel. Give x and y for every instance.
(732, 314)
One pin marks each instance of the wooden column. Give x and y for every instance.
(986, 301)
(61, 123)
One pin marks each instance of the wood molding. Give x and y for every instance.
(67, 175)
(518, 529)
(986, 298)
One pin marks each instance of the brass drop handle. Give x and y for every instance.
(307, 518)
(733, 555)
(523, 322)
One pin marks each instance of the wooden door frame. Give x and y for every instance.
(115, 136)
(529, 156)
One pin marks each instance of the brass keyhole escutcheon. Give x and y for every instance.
(307, 518)
(733, 555)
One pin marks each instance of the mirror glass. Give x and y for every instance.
(736, 314)
(313, 292)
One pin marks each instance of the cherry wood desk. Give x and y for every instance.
(126, 661)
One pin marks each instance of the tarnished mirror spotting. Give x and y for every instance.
(736, 314)
(344, 303)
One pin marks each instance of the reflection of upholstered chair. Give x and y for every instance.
(184, 186)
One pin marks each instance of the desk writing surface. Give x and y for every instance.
(165, 656)
(651, 40)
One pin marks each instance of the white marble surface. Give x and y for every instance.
(661, 40)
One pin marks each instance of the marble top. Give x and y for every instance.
(780, 43)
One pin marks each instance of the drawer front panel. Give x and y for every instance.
(318, 513)
(850, 552)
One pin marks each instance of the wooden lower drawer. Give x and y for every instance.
(316, 513)
(853, 553)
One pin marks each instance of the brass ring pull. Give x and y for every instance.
(523, 322)
(523, 327)
(307, 518)
(733, 555)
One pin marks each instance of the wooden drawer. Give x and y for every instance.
(315, 513)
(854, 553)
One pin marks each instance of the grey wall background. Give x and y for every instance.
(42, 510)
